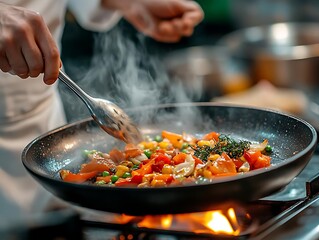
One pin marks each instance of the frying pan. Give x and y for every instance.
(293, 141)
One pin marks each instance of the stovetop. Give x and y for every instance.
(290, 214)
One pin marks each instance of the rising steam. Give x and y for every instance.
(124, 72)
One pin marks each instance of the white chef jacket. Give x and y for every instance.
(29, 108)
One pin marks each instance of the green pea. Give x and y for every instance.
(105, 173)
(184, 151)
(185, 145)
(86, 153)
(268, 148)
(114, 178)
(135, 167)
(102, 182)
(201, 180)
(148, 153)
(126, 175)
(158, 138)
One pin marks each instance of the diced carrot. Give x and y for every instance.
(223, 164)
(174, 138)
(211, 136)
(262, 161)
(197, 160)
(132, 151)
(68, 176)
(106, 179)
(225, 174)
(179, 158)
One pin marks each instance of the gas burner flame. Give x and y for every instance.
(229, 220)
(211, 222)
(222, 224)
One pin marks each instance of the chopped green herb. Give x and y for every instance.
(225, 144)
(230, 146)
(202, 152)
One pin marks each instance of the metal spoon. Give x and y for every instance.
(111, 118)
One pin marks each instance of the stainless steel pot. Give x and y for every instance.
(286, 54)
(206, 72)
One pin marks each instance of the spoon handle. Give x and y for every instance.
(74, 87)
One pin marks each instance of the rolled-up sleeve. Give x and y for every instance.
(91, 16)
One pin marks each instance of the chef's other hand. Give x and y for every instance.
(26, 45)
(163, 20)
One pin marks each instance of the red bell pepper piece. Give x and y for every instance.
(137, 179)
(145, 168)
(159, 162)
(252, 157)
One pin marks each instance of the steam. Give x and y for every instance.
(126, 73)
(123, 72)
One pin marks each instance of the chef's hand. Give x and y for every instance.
(163, 20)
(26, 45)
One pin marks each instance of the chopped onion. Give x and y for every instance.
(244, 168)
(139, 158)
(186, 168)
(260, 146)
(189, 138)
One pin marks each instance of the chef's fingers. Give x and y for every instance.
(173, 29)
(195, 14)
(182, 27)
(190, 20)
(4, 63)
(33, 57)
(185, 24)
(166, 32)
(49, 50)
(16, 59)
(162, 31)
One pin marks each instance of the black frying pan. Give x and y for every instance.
(293, 141)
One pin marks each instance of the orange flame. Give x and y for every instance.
(212, 222)
(161, 222)
(220, 223)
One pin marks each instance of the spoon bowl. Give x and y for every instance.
(110, 117)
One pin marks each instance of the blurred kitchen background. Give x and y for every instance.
(254, 52)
